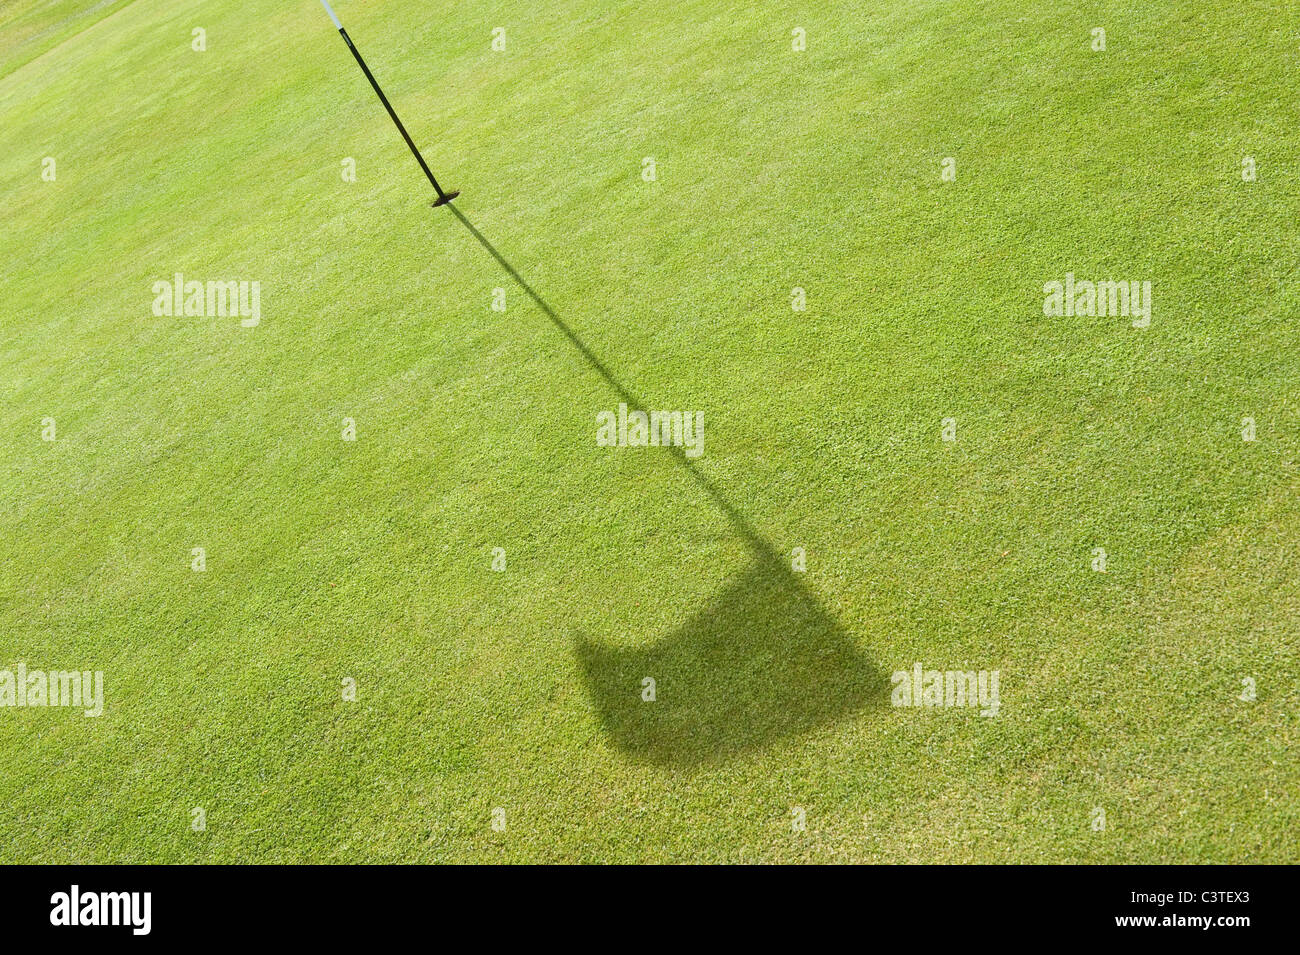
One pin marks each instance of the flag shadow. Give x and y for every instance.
(762, 661)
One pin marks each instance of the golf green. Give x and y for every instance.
(838, 432)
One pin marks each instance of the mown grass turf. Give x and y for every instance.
(520, 689)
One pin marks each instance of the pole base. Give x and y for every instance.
(445, 198)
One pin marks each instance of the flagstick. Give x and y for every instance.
(443, 197)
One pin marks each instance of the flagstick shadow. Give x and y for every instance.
(762, 661)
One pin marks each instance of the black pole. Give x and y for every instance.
(443, 197)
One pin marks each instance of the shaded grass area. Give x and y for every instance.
(760, 661)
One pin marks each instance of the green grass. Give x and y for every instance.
(29, 28)
(520, 689)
